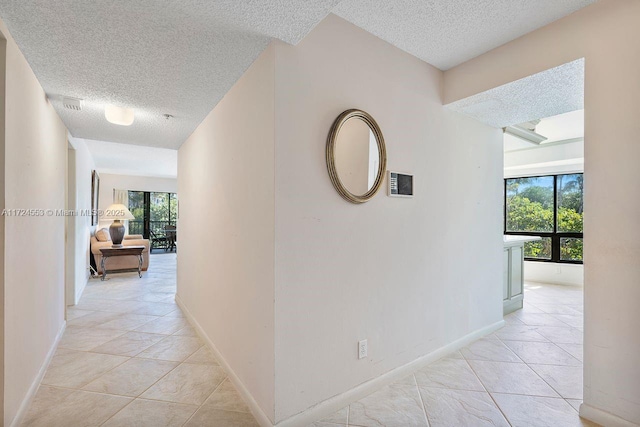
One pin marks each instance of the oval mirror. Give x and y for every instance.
(356, 156)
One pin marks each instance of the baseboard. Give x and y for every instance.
(255, 409)
(79, 292)
(554, 282)
(512, 305)
(333, 404)
(603, 418)
(329, 406)
(26, 402)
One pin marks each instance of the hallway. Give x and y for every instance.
(129, 357)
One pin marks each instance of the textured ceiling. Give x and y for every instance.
(180, 57)
(169, 57)
(446, 33)
(548, 93)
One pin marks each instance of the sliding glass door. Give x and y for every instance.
(137, 206)
(153, 212)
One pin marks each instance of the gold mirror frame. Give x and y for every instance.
(330, 154)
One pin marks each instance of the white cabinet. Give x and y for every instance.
(513, 278)
(505, 274)
(513, 273)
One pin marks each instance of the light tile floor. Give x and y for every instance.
(130, 358)
(528, 373)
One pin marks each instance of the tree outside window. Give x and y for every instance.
(550, 207)
(153, 211)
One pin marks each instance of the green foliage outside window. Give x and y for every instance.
(525, 215)
(569, 220)
(530, 208)
(136, 204)
(571, 249)
(540, 249)
(163, 209)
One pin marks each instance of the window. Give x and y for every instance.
(153, 212)
(550, 207)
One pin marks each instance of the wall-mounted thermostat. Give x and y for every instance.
(400, 184)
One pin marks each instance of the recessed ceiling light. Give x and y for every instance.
(119, 115)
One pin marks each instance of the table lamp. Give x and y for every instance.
(117, 212)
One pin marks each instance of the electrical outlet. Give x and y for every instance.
(362, 349)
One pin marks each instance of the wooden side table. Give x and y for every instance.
(123, 251)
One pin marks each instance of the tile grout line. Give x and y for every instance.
(158, 380)
(424, 408)
(348, 415)
(127, 358)
(204, 401)
(581, 365)
(505, 346)
(348, 419)
(487, 391)
(117, 412)
(93, 351)
(119, 395)
(515, 363)
(106, 372)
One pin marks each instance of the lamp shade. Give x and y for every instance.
(117, 211)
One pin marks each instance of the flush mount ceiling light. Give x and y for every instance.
(119, 115)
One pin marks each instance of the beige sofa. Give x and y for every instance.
(121, 262)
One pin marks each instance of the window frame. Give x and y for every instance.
(555, 235)
(146, 221)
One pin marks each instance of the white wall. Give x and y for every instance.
(135, 160)
(606, 35)
(410, 275)
(109, 182)
(3, 68)
(226, 257)
(552, 158)
(388, 270)
(35, 163)
(84, 164)
(554, 273)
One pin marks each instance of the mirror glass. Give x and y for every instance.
(357, 159)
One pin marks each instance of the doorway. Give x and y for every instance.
(542, 118)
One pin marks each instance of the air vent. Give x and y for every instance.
(72, 103)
